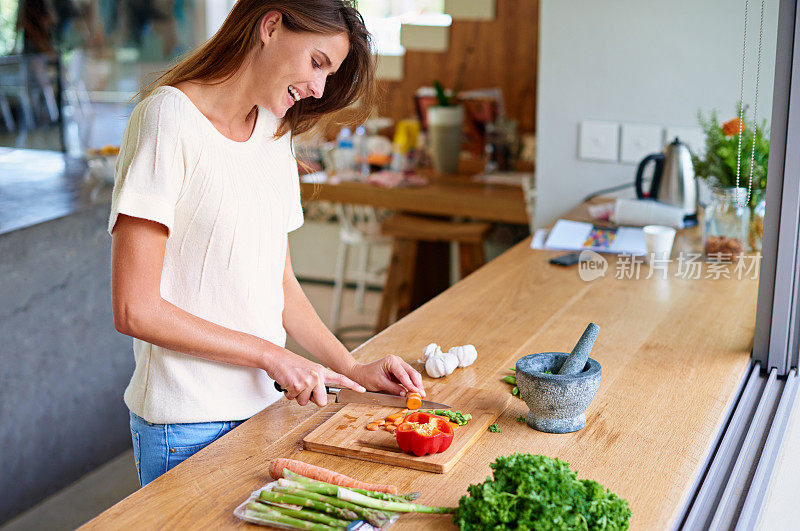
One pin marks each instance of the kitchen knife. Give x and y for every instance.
(379, 399)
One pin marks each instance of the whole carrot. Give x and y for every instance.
(276, 467)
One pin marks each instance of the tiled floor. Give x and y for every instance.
(105, 486)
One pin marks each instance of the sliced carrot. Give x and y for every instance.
(399, 421)
(391, 428)
(413, 401)
(394, 416)
(372, 426)
(380, 422)
(276, 467)
(452, 424)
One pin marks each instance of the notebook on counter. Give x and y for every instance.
(569, 235)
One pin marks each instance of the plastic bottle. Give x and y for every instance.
(345, 152)
(361, 151)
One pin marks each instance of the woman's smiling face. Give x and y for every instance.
(291, 66)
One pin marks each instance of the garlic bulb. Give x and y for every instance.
(466, 354)
(431, 350)
(441, 365)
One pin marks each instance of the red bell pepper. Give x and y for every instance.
(422, 433)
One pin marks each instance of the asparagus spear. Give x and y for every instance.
(329, 489)
(377, 518)
(274, 517)
(311, 516)
(456, 416)
(360, 499)
(277, 497)
(510, 379)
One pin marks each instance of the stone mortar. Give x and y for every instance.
(557, 402)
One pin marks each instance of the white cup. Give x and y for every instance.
(658, 239)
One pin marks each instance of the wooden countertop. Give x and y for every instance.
(673, 352)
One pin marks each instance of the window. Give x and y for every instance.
(8, 22)
(383, 19)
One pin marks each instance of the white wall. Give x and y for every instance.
(636, 61)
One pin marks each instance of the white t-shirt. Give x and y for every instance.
(228, 206)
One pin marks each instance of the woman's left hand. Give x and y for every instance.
(391, 374)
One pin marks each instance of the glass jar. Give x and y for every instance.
(501, 145)
(757, 211)
(725, 224)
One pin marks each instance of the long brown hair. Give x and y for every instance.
(222, 56)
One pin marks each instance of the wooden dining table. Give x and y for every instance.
(673, 352)
(461, 195)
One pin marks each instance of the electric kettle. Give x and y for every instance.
(673, 182)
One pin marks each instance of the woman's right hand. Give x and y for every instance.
(305, 380)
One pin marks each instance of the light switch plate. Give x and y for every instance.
(691, 136)
(639, 140)
(598, 141)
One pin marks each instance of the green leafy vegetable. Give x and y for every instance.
(521, 419)
(494, 428)
(536, 492)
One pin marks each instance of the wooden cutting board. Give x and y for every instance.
(345, 433)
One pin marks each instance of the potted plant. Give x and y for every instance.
(717, 166)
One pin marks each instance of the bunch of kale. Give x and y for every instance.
(539, 493)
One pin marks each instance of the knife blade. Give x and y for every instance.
(378, 399)
(344, 396)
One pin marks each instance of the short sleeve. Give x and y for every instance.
(295, 220)
(151, 167)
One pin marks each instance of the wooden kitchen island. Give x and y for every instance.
(673, 353)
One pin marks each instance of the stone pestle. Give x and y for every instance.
(576, 361)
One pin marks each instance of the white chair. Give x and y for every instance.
(359, 227)
(529, 191)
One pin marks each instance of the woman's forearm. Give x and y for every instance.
(304, 325)
(168, 326)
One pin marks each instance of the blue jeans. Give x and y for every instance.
(159, 447)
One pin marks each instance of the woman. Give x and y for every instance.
(206, 191)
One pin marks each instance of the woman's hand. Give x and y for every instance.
(391, 374)
(305, 380)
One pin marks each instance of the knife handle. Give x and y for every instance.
(328, 390)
